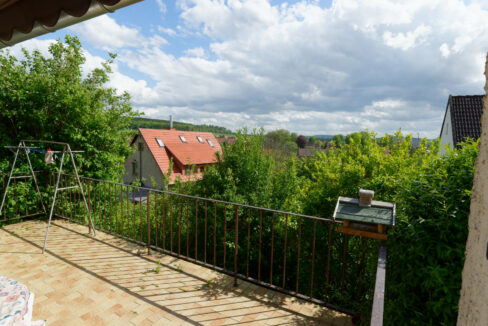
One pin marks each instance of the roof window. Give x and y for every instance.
(210, 143)
(183, 139)
(200, 139)
(160, 142)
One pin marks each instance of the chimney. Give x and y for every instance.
(170, 122)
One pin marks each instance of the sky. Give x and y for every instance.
(311, 67)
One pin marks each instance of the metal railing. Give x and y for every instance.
(300, 255)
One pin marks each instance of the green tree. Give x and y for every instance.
(281, 144)
(50, 98)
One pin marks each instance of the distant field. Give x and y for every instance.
(163, 124)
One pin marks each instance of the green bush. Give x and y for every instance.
(426, 251)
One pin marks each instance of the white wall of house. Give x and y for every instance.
(144, 162)
(447, 137)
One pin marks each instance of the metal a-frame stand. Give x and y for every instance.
(66, 150)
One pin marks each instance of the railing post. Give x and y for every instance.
(379, 288)
(236, 243)
(89, 206)
(148, 224)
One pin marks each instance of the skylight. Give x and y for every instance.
(183, 139)
(200, 139)
(160, 142)
(210, 142)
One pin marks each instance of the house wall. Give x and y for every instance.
(149, 167)
(473, 303)
(446, 132)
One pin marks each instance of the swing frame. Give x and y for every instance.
(66, 150)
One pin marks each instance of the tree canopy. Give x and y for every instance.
(52, 98)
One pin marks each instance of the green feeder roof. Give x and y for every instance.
(379, 213)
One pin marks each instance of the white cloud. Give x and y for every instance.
(407, 40)
(377, 64)
(195, 52)
(444, 48)
(162, 6)
(105, 33)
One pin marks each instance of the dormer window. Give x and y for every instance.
(200, 140)
(210, 143)
(160, 142)
(183, 139)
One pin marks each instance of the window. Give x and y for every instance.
(210, 143)
(140, 147)
(200, 139)
(160, 142)
(134, 168)
(183, 139)
(187, 171)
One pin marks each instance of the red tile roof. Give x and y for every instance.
(191, 152)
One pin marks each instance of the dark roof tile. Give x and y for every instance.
(466, 116)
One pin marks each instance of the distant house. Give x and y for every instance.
(461, 120)
(190, 151)
(309, 152)
(229, 140)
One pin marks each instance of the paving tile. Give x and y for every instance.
(103, 281)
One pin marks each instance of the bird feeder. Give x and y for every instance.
(364, 216)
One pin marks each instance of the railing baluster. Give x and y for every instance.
(225, 233)
(156, 219)
(187, 227)
(313, 258)
(284, 251)
(104, 206)
(133, 213)
(89, 203)
(298, 254)
(110, 205)
(205, 247)
(248, 239)
(272, 250)
(171, 222)
(141, 193)
(329, 243)
(25, 196)
(128, 211)
(179, 226)
(164, 221)
(148, 223)
(236, 242)
(196, 229)
(70, 199)
(260, 232)
(215, 235)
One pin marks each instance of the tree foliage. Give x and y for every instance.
(301, 141)
(51, 98)
(432, 192)
(281, 144)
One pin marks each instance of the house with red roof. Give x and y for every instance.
(162, 152)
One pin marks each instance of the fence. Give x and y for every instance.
(304, 256)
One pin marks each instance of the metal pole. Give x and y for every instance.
(8, 181)
(54, 200)
(34, 176)
(81, 189)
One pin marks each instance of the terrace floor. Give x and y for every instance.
(109, 281)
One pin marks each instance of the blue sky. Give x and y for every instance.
(312, 67)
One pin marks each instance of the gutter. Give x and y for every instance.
(96, 9)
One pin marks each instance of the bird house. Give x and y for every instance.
(364, 216)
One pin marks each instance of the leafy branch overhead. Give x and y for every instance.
(51, 97)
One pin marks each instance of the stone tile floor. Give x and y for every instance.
(107, 281)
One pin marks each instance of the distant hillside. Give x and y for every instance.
(324, 137)
(164, 124)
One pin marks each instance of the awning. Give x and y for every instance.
(21, 20)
